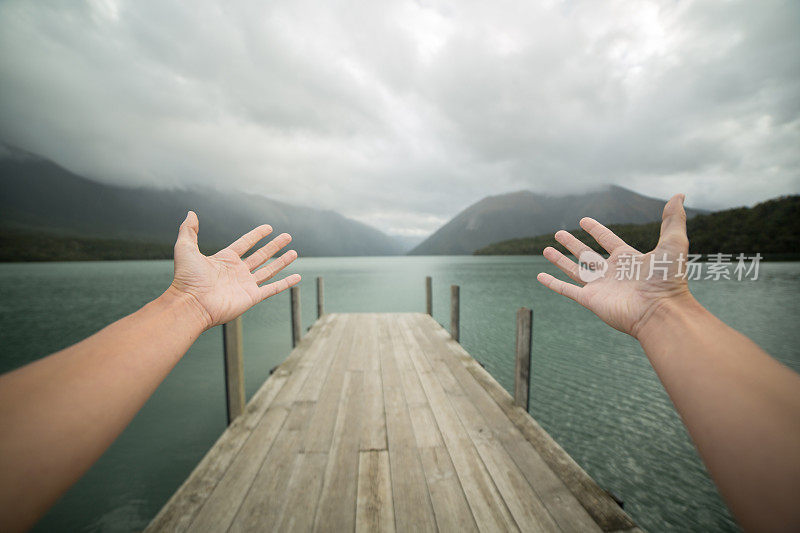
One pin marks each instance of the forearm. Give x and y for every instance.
(740, 406)
(59, 414)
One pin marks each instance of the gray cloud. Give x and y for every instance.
(401, 113)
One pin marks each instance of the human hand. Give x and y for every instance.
(626, 304)
(223, 286)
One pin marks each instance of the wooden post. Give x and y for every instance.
(320, 298)
(429, 295)
(522, 371)
(234, 367)
(455, 305)
(294, 298)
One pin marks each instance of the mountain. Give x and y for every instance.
(524, 213)
(771, 228)
(40, 198)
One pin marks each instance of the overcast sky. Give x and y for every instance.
(402, 113)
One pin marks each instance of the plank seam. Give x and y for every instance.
(282, 374)
(618, 519)
(422, 338)
(471, 443)
(329, 322)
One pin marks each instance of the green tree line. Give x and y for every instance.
(33, 246)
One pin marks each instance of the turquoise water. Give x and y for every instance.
(592, 387)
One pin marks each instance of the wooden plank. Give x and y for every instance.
(337, 502)
(318, 345)
(313, 351)
(178, 513)
(323, 420)
(373, 429)
(522, 366)
(488, 508)
(447, 495)
(601, 507)
(374, 509)
(234, 367)
(299, 351)
(528, 511)
(560, 502)
(219, 509)
(303, 492)
(412, 388)
(265, 501)
(297, 380)
(181, 509)
(426, 432)
(412, 506)
(450, 506)
(557, 498)
(357, 355)
(325, 348)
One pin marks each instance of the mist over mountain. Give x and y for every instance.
(524, 213)
(38, 196)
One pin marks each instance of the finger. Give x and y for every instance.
(604, 236)
(257, 258)
(567, 266)
(263, 274)
(271, 289)
(249, 239)
(187, 234)
(569, 290)
(673, 223)
(571, 243)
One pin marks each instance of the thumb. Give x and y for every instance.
(673, 223)
(189, 229)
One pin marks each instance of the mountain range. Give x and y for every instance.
(41, 198)
(524, 213)
(770, 228)
(48, 212)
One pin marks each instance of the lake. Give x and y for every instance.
(592, 387)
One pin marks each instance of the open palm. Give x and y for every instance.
(223, 286)
(635, 284)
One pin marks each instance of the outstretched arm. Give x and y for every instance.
(60, 413)
(741, 406)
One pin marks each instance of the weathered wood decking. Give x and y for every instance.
(383, 422)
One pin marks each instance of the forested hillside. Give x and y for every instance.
(771, 228)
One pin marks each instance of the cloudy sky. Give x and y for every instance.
(401, 113)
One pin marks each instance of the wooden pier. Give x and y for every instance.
(383, 422)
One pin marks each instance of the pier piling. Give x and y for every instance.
(522, 370)
(455, 312)
(320, 298)
(429, 295)
(234, 367)
(297, 322)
